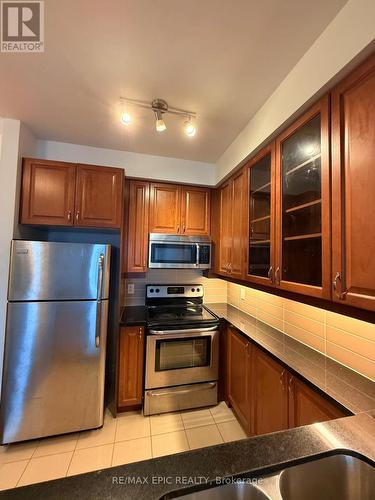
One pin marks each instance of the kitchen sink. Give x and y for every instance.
(238, 490)
(338, 476)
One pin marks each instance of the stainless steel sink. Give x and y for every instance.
(340, 476)
(240, 491)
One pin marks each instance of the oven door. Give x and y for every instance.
(180, 357)
(173, 255)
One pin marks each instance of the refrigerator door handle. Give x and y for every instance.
(98, 300)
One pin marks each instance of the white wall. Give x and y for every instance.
(351, 31)
(135, 164)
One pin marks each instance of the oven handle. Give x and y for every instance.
(201, 387)
(198, 256)
(187, 332)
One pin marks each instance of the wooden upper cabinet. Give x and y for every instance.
(238, 372)
(195, 211)
(260, 217)
(137, 237)
(238, 204)
(48, 191)
(99, 200)
(225, 231)
(303, 257)
(353, 184)
(130, 367)
(165, 208)
(307, 407)
(270, 396)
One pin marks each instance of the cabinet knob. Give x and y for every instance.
(270, 274)
(290, 386)
(178, 228)
(183, 228)
(282, 378)
(277, 276)
(77, 215)
(69, 216)
(339, 294)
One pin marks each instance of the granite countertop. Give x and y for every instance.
(133, 316)
(346, 387)
(247, 458)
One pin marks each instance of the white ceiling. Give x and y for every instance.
(219, 58)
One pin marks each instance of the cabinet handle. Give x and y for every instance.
(290, 385)
(340, 295)
(69, 216)
(140, 333)
(183, 228)
(178, 228)
(277, 276)
(282, 378)
(77, 215)
(230, 268)
(270, 275)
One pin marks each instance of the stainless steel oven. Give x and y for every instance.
(169, 251)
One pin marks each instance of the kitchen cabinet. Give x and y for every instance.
(260, 230)
(353, 182)
(130, 367)
(48, 192)
(303, 205)
(238, 385)
(195, 211)
(306, 406)
(64, 194)
(231, 239)
(269, 400)
(178, 209)
(137, 236)
(99, 201)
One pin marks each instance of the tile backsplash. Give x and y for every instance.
(349, 341)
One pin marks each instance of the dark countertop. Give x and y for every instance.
(351, 390)
(252, 457)
(133, 316)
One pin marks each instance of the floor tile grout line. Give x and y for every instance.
(114, 442)
(71, 458)
(23, 472)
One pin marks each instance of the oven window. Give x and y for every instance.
(174, 354)
(172, 253)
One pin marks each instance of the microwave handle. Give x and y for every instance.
(198, 254)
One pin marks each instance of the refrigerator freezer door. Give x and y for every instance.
(54, 367)
(57, 271)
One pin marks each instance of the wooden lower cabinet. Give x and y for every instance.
(239, 392)
(130, 367)
(269, 395)
(264, 395)
(306, 406)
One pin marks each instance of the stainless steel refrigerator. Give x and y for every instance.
(54, 363)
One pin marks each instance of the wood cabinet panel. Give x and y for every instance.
(238, 204)
(48, 190)
(353, 182)
(165, 208)
(195, 211)
(269, 395)
(99, 198)
(224, 253)
(130, 366)
(306, 406)
(239, 355)
(137, 240)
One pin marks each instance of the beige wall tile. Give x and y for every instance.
(248, 308)
(352, 325)
(270, 298)
(310, 325)
(307, 338)
(304, 310)
(351, 342)
(270, 319)
(354, 361)
(268, 307)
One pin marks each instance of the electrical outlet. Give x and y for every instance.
(130, 288)
(243, 294)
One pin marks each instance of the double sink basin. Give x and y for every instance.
(340, 476)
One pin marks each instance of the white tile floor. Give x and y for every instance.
(128, 438)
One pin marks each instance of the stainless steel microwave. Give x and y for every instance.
(169, 251)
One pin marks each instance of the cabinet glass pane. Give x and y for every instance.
(260, 217)
(301, 205)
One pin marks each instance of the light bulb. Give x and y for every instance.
(126, 119)
(160, 125)
(189, 128)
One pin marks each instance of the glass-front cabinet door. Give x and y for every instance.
(260, 234)
(303, 213)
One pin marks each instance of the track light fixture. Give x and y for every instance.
(159, 107)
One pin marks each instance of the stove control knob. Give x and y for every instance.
(193, 289)
(198, 290)
(151, 290)
(157, 290)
